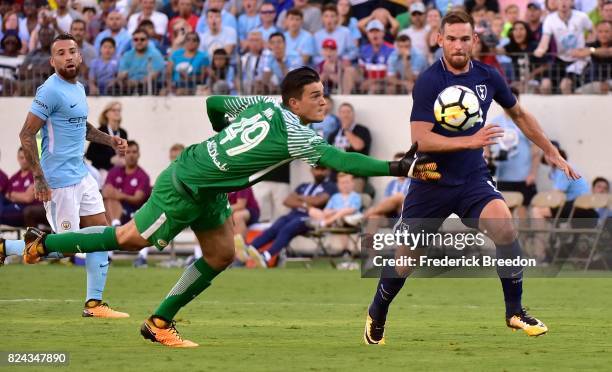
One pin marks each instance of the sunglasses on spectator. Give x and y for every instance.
(191, 38)
(267, 11)
(139, 39)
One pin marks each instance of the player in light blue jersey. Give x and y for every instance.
(61, 180)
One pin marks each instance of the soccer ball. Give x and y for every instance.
(457, 108)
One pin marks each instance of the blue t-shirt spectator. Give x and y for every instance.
(227, 20)
(103, 72)
(190, 65)
(265, 33)
(292, 61)
(572, 188)
(396, 186)
(395, 64)
(123, 41)
(246, 24)
(518, 147)
(339, 201)
(303, 44)
(137, 66)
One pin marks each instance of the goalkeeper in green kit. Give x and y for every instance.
(255, 135)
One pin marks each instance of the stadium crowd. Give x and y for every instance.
(246, 46)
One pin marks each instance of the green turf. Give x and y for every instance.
(300, 319)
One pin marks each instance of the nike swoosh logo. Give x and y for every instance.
(72, 106)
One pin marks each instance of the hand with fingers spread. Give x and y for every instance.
(555, 159)
(421, 167)
(486, 136)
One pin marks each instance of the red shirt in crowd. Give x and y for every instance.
(129, 183)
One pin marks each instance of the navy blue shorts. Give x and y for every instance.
(436, 202)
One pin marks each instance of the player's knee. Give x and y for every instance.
(221, 257)
(129, 239)
(505, 234)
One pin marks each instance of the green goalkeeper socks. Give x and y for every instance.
(195, 280)
(87, 240)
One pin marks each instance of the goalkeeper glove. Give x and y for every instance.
(422, 167)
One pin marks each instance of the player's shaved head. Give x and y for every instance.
(65, 57)
(302, 93)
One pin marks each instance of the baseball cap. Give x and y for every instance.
(329, 43)
(417, 7)
(375, 24)
(534, 4)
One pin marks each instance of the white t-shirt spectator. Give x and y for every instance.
(209, 42)
(568, 36)
(160, 21)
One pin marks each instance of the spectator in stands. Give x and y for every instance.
(175, 151)
(600, 52)
(36, 68)
(373, 59)
(390, 25)
(126, 188)
(187, 67)
(490, 5)
(4, 183)
(179, 30)
(351, 137)
(312, 16)
(222, 74)
(433, 18)
(305, 196)
(28, 23)
(297, 38)
(185, 13)
(267, 13)
(345, 44)
(160, 20)
(330, 123)
(404, 66)
(518, 160)
(483, 53)
(227, 19)
(98, 22)
(481, 22)
(140, 68)
(568, 27)
(103, 158)
(533, 17)
(343, 203)
(114, 29)
(511, 15)
(18, 194)
(245, 212)
(147, 26)
(600, 185)
(279, 62)
(334, 72)
(62, 17)
(418, 30)
(10, 59)
(253, 62)
(11, 24)
(248, 21)
(526, 68)
(346, 18)
(103, 70)
(170, 8)
(217, 35)
(88, 52)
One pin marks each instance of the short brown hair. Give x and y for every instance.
(457, 16)
(329, 8)
(295, 12)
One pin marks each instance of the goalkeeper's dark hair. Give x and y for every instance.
(293, 84)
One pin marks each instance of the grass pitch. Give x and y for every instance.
(306, 319)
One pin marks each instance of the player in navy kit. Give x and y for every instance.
(466, 187)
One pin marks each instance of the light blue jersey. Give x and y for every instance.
(518, 147)
(572, 188)
(63, 107)
(339, 201)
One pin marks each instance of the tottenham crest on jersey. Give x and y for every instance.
(481, 90)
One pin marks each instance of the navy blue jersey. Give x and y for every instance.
(460, 166)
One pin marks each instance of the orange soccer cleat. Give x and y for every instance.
(102, 310)
(167, 336)
(34, 249)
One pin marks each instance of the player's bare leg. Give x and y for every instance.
(218, 253)
(496, 222)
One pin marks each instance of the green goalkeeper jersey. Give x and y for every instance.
(256, 135)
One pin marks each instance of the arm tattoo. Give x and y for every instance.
(30, 147)
(94, 135)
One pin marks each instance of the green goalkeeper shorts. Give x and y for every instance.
(170, 209)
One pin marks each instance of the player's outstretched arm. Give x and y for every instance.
(27, 136)
(530, 127)
(361, 165)
(95, 135)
